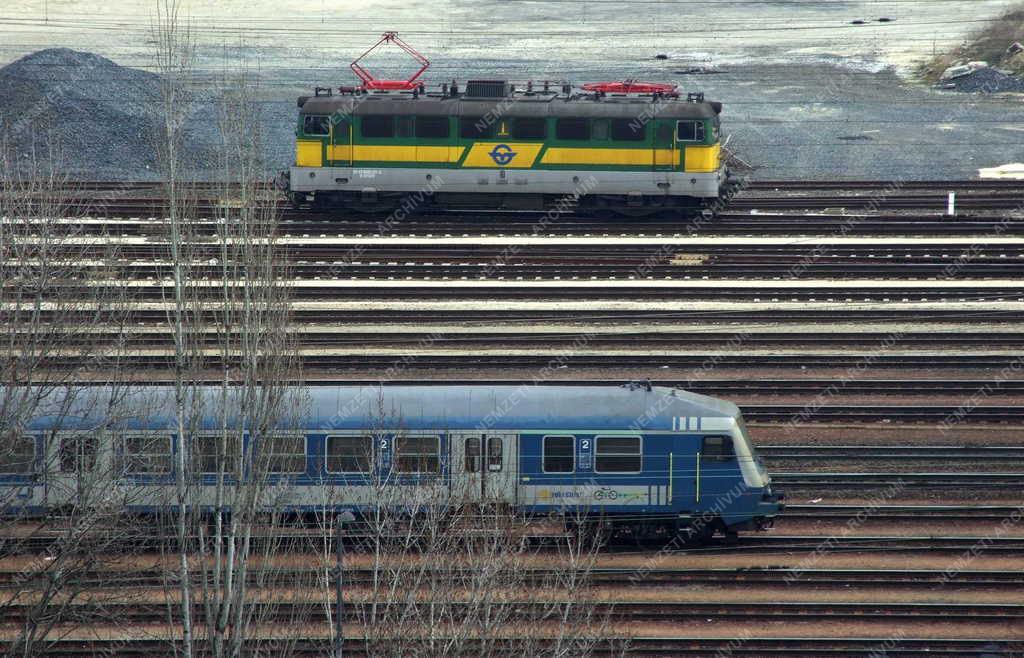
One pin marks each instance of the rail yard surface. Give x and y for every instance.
(872, 341)
(627, 329)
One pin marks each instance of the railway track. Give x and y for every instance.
(999, 453)
(624, 577)
(136, 612)
(732, 223)
(752, 644)
(1008, 481)
(578, 269)
(361, 363)
(904, 513)
(859, 291)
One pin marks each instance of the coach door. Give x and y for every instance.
(484, 466)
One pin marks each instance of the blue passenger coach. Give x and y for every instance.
(646, 459)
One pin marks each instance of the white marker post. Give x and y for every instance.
(951, 204)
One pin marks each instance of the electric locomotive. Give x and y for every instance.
(628, 147)
(645, 460)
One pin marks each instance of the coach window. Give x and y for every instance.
(378, 126)
(572, 129)
(529, 128)
(406, 126)
(207, 456)
(618, 454)
(146, 454)
(416, 454)
(316, 125)
(717, 448)
(475, 128)
(599, 129)
(690, 131)
(495, 453)
(432, 127)
(78, 452)
(559, 454)
(19, 458)
(349, 454)
(286, 454)
(472, 454)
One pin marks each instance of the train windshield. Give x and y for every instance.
(755, 457)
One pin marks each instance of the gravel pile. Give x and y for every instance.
(102, 118)
(988, 81)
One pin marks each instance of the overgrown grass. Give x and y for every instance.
(988, 44)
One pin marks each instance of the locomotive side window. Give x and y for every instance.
(628, 130)
(475, 128)
(19, 457)
(572, 129)
(690, 131)
(146, 454)
(529, 128)
(78, 452)
(618, 454)
(378, 125)
(417, 454)
(559, 454)
(599, 129)
(432, 127)
(285, 453)
(316, 125)
(717, 448)
(405, 126)
(349, 454)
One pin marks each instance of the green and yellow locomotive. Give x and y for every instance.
(633, 148)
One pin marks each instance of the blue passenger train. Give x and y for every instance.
(643, 459)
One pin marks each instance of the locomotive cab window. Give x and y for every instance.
(378, 125)
(628, 130)
(690, 131)
(618, 454)
(529, 128)
(572, 129)
(717, 448)
(316, 125)
(475, 128)
(285, 453)
(432, 127)
(146, 454)
(349, 454)
(559, 454)
(20, 457)
(417, 454)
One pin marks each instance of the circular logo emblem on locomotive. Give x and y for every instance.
(502, 154)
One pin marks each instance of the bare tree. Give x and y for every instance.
(60, 325)
(443, 573)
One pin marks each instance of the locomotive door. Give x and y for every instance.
(665, 153)
(484, 466)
